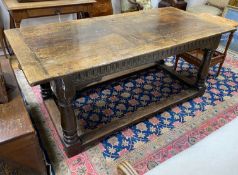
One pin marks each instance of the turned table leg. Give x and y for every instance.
(65, 91)
(203, 69)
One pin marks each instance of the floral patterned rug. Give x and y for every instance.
(146, 144)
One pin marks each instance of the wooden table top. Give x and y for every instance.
(54, 50)
(218, 19)
(15, 5)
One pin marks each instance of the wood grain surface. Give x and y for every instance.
(55, 50)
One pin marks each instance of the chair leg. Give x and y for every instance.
(7, 46)
(176, 62)
(219, 68)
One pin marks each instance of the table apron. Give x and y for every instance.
(95, 74)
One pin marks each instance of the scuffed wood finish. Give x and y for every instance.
(73, 55)
(94, 43)
(18, 140)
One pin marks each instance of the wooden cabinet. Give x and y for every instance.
(19, 146)
(102, 8)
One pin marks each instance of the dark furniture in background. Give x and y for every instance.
(180, 4)
(102, 8)
(20, 152)
(19, 11)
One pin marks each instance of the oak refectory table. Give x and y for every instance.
(74, 55)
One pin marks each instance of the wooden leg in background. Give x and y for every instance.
(17, 23)
(12, 26)
(3, 46)
(12, 23)
(46, 91)
(228, 43)
(65, 91)
(79, 15)
(86, 15)
(219, 68)
(203, 69)
(176, 62)
(225, 51)
(6, 45)
(9, 50)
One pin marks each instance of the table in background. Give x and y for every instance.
(19, 11)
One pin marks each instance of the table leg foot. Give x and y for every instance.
(203, 69)
(68, 123)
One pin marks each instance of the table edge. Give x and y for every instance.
(51, 5)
